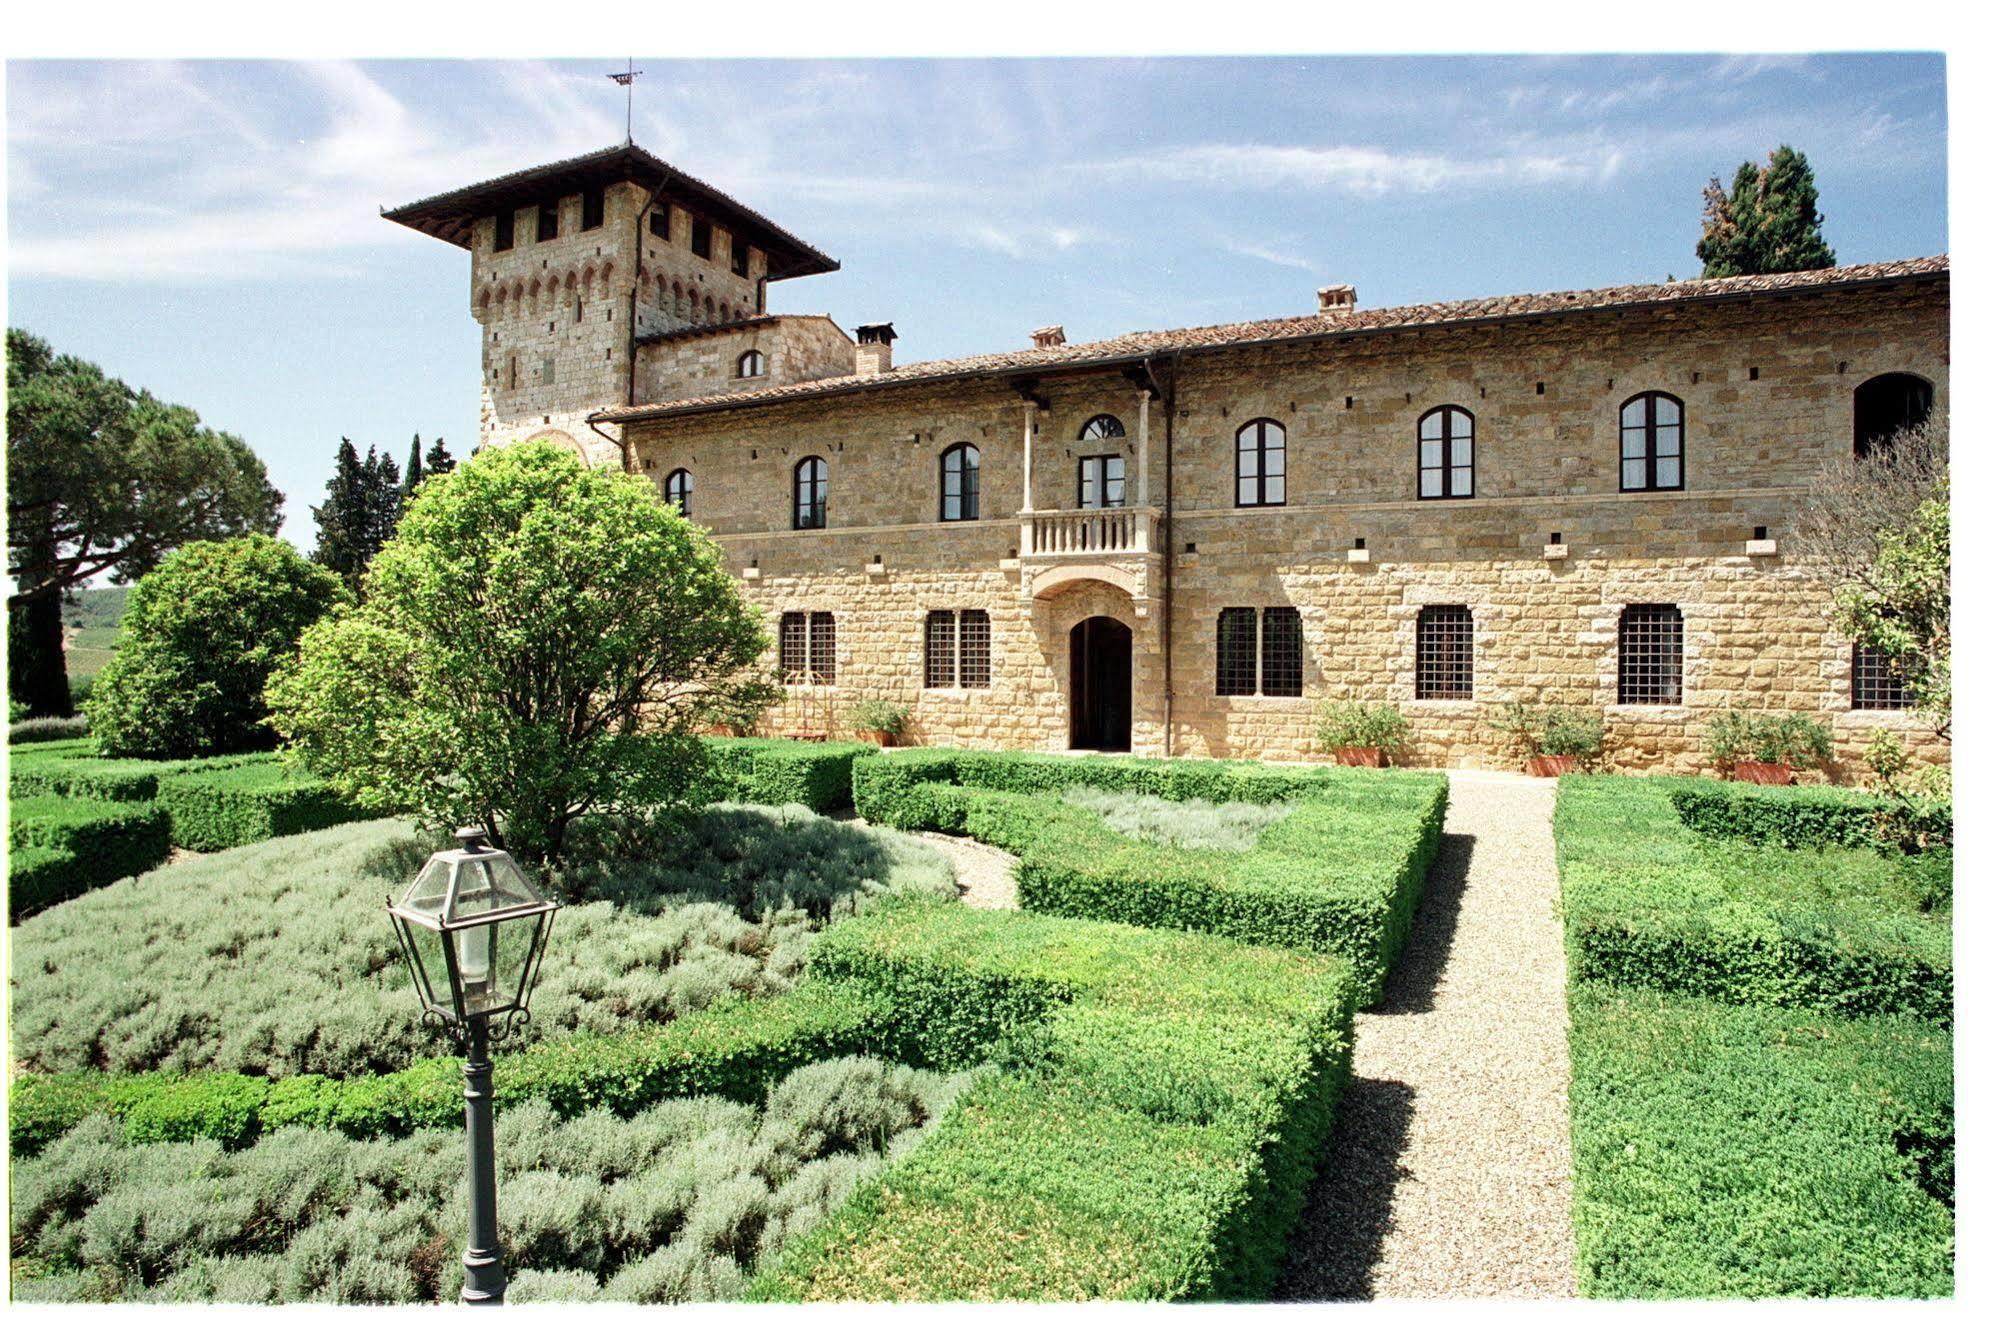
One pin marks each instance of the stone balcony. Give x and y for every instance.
(1062, 547)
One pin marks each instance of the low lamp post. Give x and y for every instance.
(473, 928)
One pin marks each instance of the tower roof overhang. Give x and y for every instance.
(453, 215)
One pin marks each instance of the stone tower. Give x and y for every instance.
(578, 264)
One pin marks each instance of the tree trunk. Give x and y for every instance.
(36, 672)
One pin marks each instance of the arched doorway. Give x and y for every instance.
(1886, 404)
(1100, 685)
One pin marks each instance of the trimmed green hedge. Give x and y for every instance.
(735, 1050)
(62, 846)
(1795, 818)
(1149, 1132)
(1341, 873)
(40, 729)
(816, 774)
(216, 808)
(79, 773)
(1750, 1152)
(1650, 902)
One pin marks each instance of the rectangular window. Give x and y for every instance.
(1443, 652)
(548, 370)
(593, 208)
(661, 223)
(1283, 652)
(1100, 482)
(701, 239)
(1879, 681)
(739, 258)
(1235, 652)
(805, 647)
(547, 222)
(513, 372)
(503, 230)
(957, 650)
(1650, 642)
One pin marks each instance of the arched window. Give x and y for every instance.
(750, 365)
(1652, 443)
(1102, 426)
(1259, 464)
(1650, 647)
(1886, 404)
(680, 489)
(1444, 454)
(958, 488)
(808, 494)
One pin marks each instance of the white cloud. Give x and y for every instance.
(1365, 171)
(1270, 255)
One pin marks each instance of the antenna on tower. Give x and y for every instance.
(624, 80)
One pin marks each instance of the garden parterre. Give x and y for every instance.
(1341, 872)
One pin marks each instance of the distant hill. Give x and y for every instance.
(90, 619)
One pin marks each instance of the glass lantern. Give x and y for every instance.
(472, 927)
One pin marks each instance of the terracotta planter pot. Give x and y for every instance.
(885, 739)
(1763, 774)
(1354, 756)
(1551, 765)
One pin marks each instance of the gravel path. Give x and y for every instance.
(985, 873)
(1448, 1173)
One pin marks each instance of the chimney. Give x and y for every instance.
(1051, 336)
(871, 350)
(1336, 300)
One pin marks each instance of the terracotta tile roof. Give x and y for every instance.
(1131, 347)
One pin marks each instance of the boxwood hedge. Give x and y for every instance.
(1753, 1152)
(1649, 901)
(216, 808)
(816, 774)
(62, 846)
(1341, 873)
(1795, 818)
(75, 770)
(1148, 1131)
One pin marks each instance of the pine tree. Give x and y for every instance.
(413, 471)
(438, 460)
(343, 536)
(1766, 222)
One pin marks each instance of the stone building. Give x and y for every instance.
(1183, 542)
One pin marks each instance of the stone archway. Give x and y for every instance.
(1100, 684)
(563, 437)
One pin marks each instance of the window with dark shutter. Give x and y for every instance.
(593, 208)
(661, 223)
(1444, 652)
(701, 239)
(1283, 652)
(739, 258)
(1649, 652)
(547, 222)
(1235, 652)
(503, 231)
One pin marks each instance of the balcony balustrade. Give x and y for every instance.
(1071, 533)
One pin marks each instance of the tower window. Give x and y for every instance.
(547, 222)
(739, 258)
(593, 208)
(750, 365)
(503, 230)
(661, 223)
(701, 239)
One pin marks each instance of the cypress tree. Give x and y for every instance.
(342, 520)
(413, 472)
(438, 460)
(1766, 222)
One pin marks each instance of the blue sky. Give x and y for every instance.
(208, 230)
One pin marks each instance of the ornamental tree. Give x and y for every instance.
(1767, 221)
(200, 638)
(103, 479)
(535, 643)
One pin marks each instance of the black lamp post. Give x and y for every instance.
(473, 928)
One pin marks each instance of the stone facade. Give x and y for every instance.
(696, 362)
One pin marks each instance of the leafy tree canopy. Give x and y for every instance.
(200, 638)
(104, 479)
(536, 642)
(1767, 221)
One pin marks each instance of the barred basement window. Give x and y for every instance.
(547, 223)
(1444, 454)
(1879, 681)
(819, 648)
(1649, 650)
(593, 208)
(1283, 652)
(1652, 444)
(1235, 652)
(1443, 652)
(680, 489)
(791, 647)
(1259, 464)
(975, 649)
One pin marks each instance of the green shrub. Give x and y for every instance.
(201, 635)
(63, 846)
(83, 775)
(678, 1201)
(1150, 1134)
(1199, 825)
(234, 806)
(1648, 901)
(1752, 1153)
(1556, 732)
(816, 774)
(1357, 726)
(1795, 818)
(47, 728)
(1341, 873)
(878, 714)
(277, 958)
(1793, 739)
